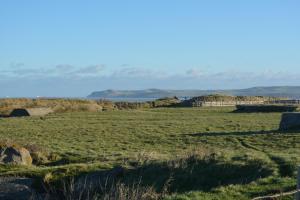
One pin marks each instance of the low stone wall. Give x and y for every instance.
(286, 102)
(224, 103)
(290, 121)
(266, 108)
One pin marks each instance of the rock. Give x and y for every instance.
(290, 121)
(15, 188)
(15, 155)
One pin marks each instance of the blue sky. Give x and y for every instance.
(71, 48)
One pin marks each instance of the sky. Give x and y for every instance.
(71, 48)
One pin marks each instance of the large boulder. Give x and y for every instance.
(290, 121)
(15, 155)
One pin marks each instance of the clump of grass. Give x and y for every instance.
(286, 167)
(103, 190)
(8, 143)
(144, 157)
(39, 155)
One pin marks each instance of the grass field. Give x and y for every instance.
(250, 157)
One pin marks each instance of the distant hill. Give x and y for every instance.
(275, 91)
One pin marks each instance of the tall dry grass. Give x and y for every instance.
(74, 105)
(57, 105)
(85, 190)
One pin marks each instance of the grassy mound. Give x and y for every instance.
(226, 98)
(163, 102)
(57, 105)
(80, 105)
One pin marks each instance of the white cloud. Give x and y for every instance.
(16, 64)
(62, 70)
(90, 70)
(70, 71)
(65, 78)
(195, 72)
(135, 72)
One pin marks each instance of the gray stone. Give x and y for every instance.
(15, 155)
(23, 112)
(290, 121)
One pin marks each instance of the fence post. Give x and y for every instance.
(298, 185)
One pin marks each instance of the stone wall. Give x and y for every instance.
(224, 103)
(290, 121)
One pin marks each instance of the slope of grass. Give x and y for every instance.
(87, 141)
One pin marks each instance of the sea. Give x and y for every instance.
(124, 99)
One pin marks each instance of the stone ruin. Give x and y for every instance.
(290, 121)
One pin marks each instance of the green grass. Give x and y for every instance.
(86, 141)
